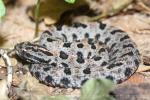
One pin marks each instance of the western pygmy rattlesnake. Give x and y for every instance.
(67, 56)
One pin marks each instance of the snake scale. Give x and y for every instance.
(67, 56)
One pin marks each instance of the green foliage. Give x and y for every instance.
(70, 1)
(97, 89)
(56, 98)
(2, 9)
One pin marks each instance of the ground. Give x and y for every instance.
(18, 26)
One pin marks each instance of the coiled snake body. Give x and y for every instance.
(67, 56)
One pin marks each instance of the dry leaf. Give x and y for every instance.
(3, 72)
(3, 91)
(51, 10)
(143, 68)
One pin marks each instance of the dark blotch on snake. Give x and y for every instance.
(102, 26)
(59, 27)
(54, 64)
(46, 69)
(74, 36)
(86, 35)
(124, 38)
(83, 81)
(136, 62)
(128, 45)
(79, 25)
(119, 64)
(48, 32)
(111, 66)
(113, 45)
(129, 54)
(107, 40)
(104, 63)
(97, 36)
(65, 37)
(93, 46)
(80, 45)
(128, 72)
(80, 58)
(37, 74)
(116, 31)
(67, 71)
(110, 77)
(50, 40)
(101, 50)
(65, 81)
(48, 79)
(97, 58)
(64, 64)
(87, 71)
(67, 45)
(89, 55)
(63, 55)
(90, 41)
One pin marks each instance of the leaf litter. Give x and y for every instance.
(20, 25)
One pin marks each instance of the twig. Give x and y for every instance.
(36, 39)
(143, 68)
(7, 61)
(37, 18)
(115, 8)
(141, 4)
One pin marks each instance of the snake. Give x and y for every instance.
(69, 55)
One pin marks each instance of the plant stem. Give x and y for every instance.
(37, 18)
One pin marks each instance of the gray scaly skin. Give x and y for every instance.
(67, 56)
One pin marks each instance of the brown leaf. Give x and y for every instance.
(3, 72)
(51, 10)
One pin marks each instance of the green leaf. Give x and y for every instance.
(2, 9)
(70, 1)
(56, 98)
(97, 89)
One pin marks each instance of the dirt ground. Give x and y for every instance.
(18, 26)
